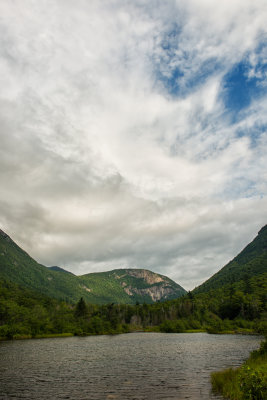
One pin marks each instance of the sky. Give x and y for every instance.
(133, 133)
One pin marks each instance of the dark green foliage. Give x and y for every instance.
(239, 306)
(55, 268)
(18, 267)
(253, 375)
(81, 310)
(175, 326)
(253, 383)
(99, 288)
(27, 313)
(248, 382)
(23, 312)
(250, 262)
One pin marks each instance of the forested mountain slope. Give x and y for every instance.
(119, 286)
(236, 306)
(250, 262)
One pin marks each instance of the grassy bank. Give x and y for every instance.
(48, 335)
(248, 382)
(130, 329)
(126, 329)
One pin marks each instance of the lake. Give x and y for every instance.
(135, 366)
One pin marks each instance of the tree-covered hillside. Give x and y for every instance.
(131, 285)
(235, 305)
(250, 262)
(59, 269)
(118, 286)
(241, 307)
(18, 267)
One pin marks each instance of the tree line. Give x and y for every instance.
(238, 307)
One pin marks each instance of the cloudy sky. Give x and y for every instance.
(133, 133)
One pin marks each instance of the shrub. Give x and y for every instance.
(253, 383)
(175, 326)
(261, 327)
(5, 331)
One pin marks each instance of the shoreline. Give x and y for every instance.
(250, 379)
(69, 334)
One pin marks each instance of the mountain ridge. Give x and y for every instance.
(19, 267)
(59, 269)
(251, 261)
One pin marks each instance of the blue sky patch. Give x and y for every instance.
(175, 81)
(240, 89)
(173, 66)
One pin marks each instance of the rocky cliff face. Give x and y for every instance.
(148, 276)
(147, 284)
(157, 293)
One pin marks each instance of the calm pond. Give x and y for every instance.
(136, 366)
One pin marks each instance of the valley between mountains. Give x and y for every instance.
(36, 300)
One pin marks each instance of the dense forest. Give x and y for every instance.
(233, 300)
(239, 307)
(124, 286)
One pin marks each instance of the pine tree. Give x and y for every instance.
(81, 309)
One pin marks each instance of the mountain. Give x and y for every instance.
(59, 269)
(18, 267)
(138, 285)
(250, 262)
(126, 286)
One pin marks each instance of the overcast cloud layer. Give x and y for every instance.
(133, 133)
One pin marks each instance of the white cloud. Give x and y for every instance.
(100, 165)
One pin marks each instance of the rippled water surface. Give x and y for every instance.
(133, 366)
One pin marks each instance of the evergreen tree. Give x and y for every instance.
(81, 309)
